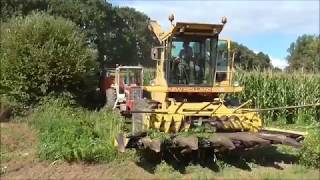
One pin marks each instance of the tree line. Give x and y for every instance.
(56, 46)
(247, 59)
(118, 35)
(121, 35)
(304, 54)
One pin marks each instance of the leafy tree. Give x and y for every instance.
(119, 34)
(304, 54)
(133, 39)
(12, 8)
(249, 60)
(41, 54)
(95, 18)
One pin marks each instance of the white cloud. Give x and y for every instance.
(245, 17)
(276, 62)
(279, 63)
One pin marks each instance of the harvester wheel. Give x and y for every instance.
(110, 98)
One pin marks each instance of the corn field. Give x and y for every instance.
(276, 89)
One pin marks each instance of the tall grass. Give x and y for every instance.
(310, 153)
(270, 89)
(148, 75)
(74, 134)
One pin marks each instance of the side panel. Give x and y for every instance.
(222, 89)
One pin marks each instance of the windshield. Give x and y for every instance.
(192, 60)
(130, 76)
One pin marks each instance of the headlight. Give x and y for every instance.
(152, 83)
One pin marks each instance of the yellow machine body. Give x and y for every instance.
(175, 117)
(194, 71)
(172, 112)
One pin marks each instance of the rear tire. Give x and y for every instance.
(110, 98)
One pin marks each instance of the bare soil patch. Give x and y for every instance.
(19, 160)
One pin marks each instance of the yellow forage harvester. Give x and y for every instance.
(183, 104)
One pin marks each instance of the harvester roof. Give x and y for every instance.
(197, 29)
(186, 29)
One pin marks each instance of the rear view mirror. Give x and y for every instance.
(156, 53)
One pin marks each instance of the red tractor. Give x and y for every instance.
(122, 86)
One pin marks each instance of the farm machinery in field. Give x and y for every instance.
(122, 86)
(183, 108)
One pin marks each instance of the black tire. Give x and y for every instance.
(110, 98)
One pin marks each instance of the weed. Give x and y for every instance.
(198, 172)
(310, 153)
(155, 134)
(74, 134)
(167, 172)
(198, 132)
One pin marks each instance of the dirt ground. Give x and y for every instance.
(19, 161)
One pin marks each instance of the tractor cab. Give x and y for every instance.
(121, 86)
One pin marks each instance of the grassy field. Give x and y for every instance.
(59, 136)
(19, 159)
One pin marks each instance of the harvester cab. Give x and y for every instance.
(192, 54)
(194, 70)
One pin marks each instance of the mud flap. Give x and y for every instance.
(121, 142)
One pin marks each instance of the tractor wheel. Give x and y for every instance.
(110, 98)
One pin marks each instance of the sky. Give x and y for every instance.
(267, 26)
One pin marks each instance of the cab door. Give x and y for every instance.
(222, 73)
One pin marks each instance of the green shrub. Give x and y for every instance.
(74, 134)
(41, 54)
(310, 153)
(8, 106)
